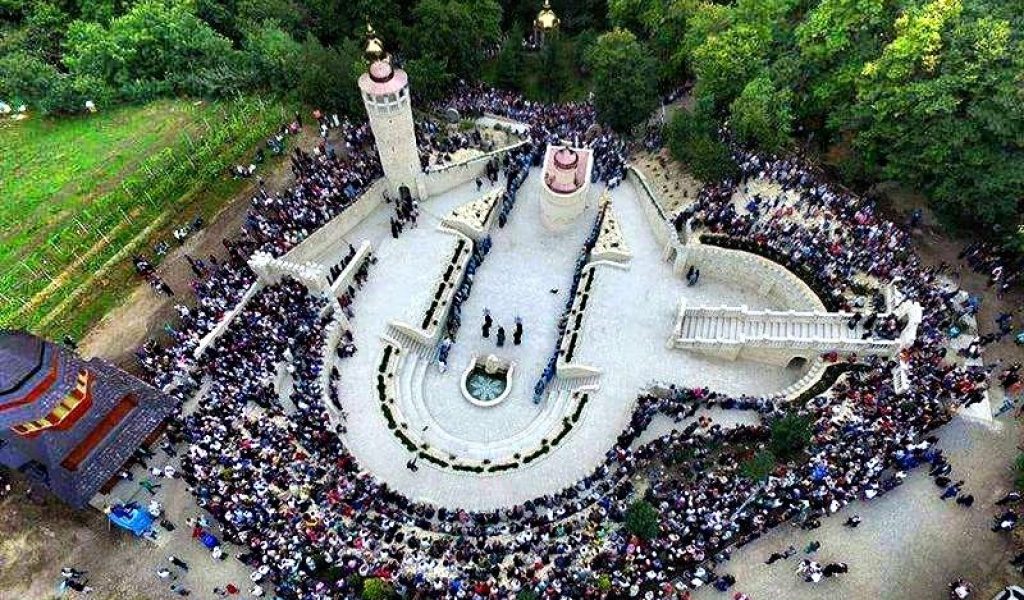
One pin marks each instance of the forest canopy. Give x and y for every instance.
(927, 93)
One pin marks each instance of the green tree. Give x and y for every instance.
(759, 466)
(762, 115)
(692, 139)
(26, 78)
(790, 435)
(462, 29)
(624, 91)
(509, 64)
(834, 41)
(157, 41)
(273, 56)
(726, 61)
(941, 109)
(429, 77)
(44, 29)
(328, 77)
(642, 520)
(555, 70)
(376, 588)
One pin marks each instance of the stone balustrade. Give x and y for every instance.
(438, 180)
(427, 330)
(225, 321)
(774, 337)
(322, 245)
(270, 270)
(347, 275)
(566, 366)
(332, 335)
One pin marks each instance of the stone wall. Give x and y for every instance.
(363, 253)
(324, 241)
(228, 317)
(332, 335)
(441, 179)
(653, 210)
(754, 273)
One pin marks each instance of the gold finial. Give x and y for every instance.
(374, 47)
(546, 19)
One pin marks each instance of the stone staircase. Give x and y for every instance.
(768, 326)
(725, 328)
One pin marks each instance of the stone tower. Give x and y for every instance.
(385, 92)
(566, 175)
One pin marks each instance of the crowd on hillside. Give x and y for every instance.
(314, 525)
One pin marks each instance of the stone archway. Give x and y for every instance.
(797, 363)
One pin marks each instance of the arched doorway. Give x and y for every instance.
(404, 194)
(797, 363)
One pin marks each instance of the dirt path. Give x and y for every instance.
(143, 314)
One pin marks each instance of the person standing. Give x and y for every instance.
(501, 336)
(174, 560)
(517, 333)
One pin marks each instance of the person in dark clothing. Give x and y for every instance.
(501, 336)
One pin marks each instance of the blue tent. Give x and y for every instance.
(209, 540)
(134, 520)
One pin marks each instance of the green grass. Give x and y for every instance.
(77, 191)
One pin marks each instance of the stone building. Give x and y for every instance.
(68, 423)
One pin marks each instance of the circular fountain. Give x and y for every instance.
(487, 382)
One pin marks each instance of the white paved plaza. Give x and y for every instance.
(624, 335)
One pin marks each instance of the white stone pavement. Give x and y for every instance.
(624, 335)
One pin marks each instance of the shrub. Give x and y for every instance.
(376, 588)
(642, 520)
(790, 435)
(691, 140)
(760, 466)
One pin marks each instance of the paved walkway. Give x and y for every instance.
(908, 540)
(525, 264)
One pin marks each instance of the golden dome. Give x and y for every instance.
(546, 19)
(374, 47)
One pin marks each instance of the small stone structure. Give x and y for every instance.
(474, 219)
(611, 245)
(566, 175)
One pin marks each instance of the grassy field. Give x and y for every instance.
(81, 195)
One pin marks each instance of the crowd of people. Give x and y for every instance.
(281, 484)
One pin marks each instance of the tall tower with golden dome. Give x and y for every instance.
(385, 92)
